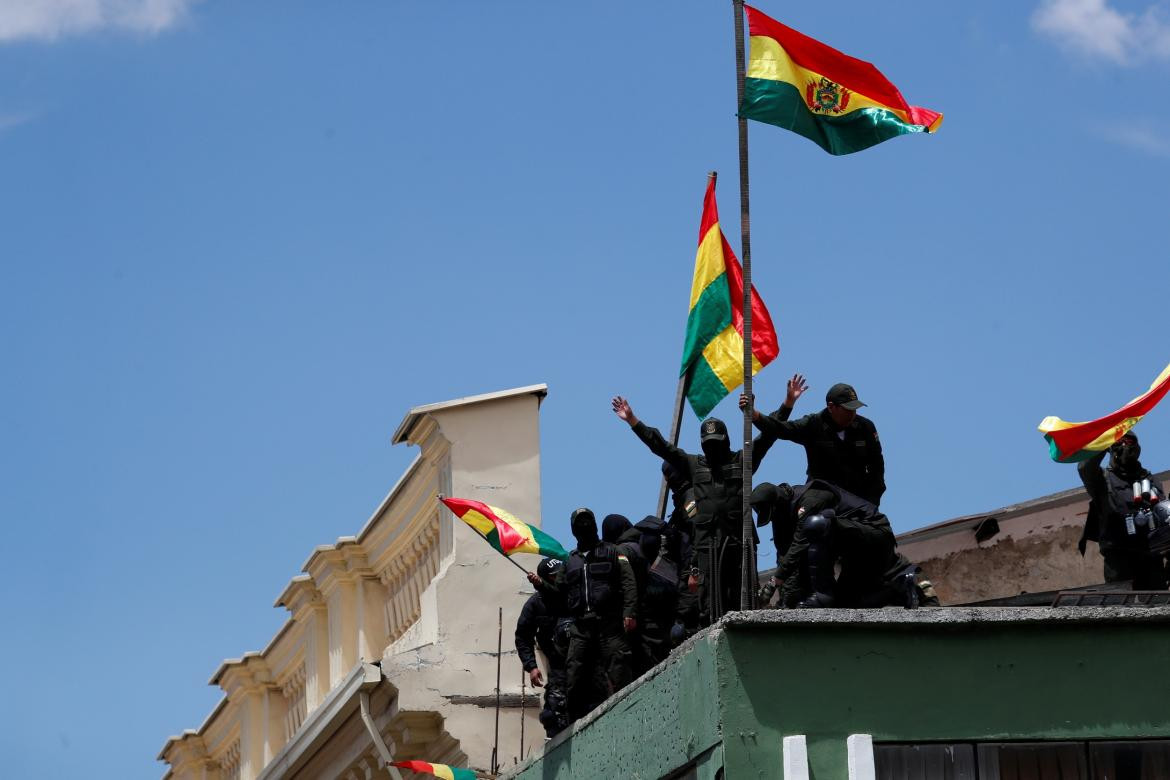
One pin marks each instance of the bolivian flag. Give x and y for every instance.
(713, 352)
(503, 531)
(841, 103)
(1073, 442)
(438, 770)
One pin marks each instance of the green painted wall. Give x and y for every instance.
(923, 682)
(658, 725)
(734, 693)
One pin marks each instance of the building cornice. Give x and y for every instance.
(403, 432)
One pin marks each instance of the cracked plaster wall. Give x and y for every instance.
(451, 651)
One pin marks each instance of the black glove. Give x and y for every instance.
(678, 633)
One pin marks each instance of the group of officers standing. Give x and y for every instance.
(630, 593)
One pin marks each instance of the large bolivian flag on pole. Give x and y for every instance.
(1072, 442)
(713, 352)
(841, 103)
(503, 531)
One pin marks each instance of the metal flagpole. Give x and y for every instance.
(747, 590)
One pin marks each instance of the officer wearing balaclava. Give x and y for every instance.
(1118, 519)
(839, 530)
(538, 626)
(716, 484)
(602, 598)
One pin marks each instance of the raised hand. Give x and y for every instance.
(796, 388)
(621, 407)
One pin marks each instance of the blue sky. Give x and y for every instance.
(239, 240)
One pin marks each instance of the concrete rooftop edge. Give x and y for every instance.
(943, 616)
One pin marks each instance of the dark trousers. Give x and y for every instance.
(555, 715)
(1147, 570)
(720, 561)
(598, 663)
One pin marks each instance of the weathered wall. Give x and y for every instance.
(450, 654)
(942, 675)
(1034, 551)
(664, 721)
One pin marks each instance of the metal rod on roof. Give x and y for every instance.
(499, 660)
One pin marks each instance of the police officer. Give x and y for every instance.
(1117, 496)
(541, 624)
(842, 447)
(658, 604)
(618, 531)
(601, 595)
(716, 483)
(830, 526)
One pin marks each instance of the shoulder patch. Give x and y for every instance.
(622, 558)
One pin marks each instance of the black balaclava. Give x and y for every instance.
(772, 502)
(652, 529)
(584, 527)
(1124, 457)
(613, 526)
(714, 441)
(763, 501)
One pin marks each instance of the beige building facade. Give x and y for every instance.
(394, 629)
(1029, 547)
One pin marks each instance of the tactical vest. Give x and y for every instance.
(1121, 507)
(718, 495)
(594, 583)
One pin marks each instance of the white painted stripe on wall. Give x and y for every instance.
(861, 765)
(795, 758)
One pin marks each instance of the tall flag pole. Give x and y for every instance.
(747, 590)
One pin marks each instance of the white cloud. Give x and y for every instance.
(15, 119)
(1141, 137)
(48, 20)
(1097, 30)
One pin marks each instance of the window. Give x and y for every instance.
(1114, 760)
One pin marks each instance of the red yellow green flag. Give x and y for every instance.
(438, 770)
(713, 351)
(1073, 442)
(839, 102)
(503, 531)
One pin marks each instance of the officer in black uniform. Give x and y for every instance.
(658, 604)
(602, 599)
(716, 482)
(680, 530)
(618, 531)
(541, 624)
(830, 526)
(1116, 520)
(842, 446)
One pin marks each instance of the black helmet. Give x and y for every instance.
(1162, 513)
